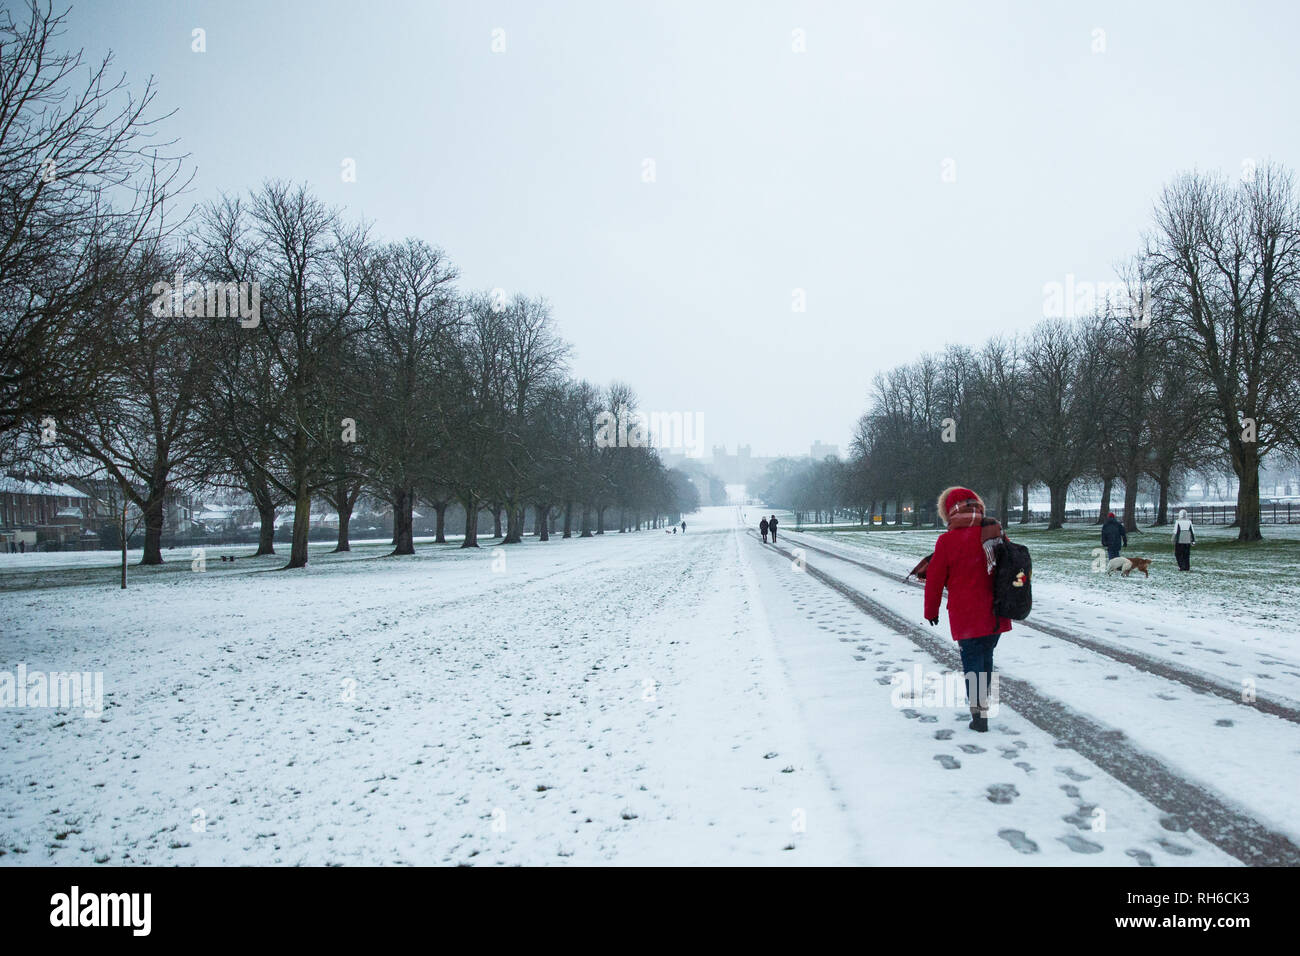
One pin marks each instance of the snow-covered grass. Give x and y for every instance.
(599, 700)
(1250, 584)
(635, 698)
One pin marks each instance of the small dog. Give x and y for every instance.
(1127, 565)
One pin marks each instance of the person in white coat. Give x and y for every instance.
(1184, 538)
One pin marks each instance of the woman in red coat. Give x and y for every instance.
(963, 563)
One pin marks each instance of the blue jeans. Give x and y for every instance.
(1112, 551)
(977, 666)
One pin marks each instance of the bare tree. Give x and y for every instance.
(82, 188)
(1227, 259)
(142, 429)
(310, 270)
(413, 319)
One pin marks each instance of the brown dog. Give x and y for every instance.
(1129, 565)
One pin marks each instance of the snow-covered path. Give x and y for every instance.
(637, 698)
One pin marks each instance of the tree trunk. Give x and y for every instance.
(345, 518)
(1107, 483)
(496, 522)
(1130, 502)
(1056, 517)
(153, 528)
(301, 525)
(403, 521)
(1246, 463)
(441, 508)
(1004, 504)
(471, 523)
(1162, 512)
(540, 519)
(568, 519)
(514, 525)
(1024, 502)
(600, 519)
(586, 522)
(266, 535)
(125, 506)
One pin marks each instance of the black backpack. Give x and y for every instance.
(1012, 596)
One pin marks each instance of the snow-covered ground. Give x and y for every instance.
(629, 699)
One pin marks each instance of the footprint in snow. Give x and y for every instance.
(1174, 823)
(1082, 817)
(1223, 723)
(1174, 848)
(1019, 842)
(1009, 753)
(884, 681)
(1070, 790)
(910, 714)
(1002, 792)
(1079, 845)
(929, 719)
(947, 762)
(1142, 856)
(1025, 766)
(1073, 774)
(943, 735)
(973, 749)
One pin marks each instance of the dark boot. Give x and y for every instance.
(978, 723)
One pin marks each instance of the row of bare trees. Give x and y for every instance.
(1195, 365)
(363, 372)
(268, 343)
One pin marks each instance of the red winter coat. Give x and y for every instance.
(959, 565)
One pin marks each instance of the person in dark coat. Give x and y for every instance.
(1113, 536)
(963, 563)
(683, 527)
(771, 526)
(762, 529)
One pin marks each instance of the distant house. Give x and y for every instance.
(217, 518)
(44, 513)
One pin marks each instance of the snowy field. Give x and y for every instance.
(640, 698)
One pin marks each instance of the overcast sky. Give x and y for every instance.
(775, 170)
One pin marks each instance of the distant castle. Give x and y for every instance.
(820, 451)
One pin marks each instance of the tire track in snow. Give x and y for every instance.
(1200, 683)
(1228, 828)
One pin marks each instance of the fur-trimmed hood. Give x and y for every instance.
(941, 505)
